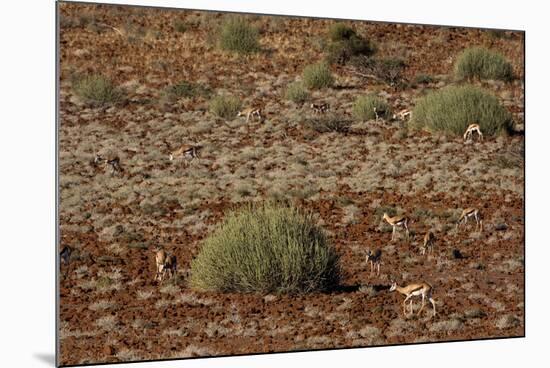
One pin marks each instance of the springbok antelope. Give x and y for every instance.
(468, 134)
(320, 108)
(429, 240)
(403, 114)
(374, 259)
(170, 266)
(98, 159)
(65, 254)
(114, 162)
(469, 213)
(186, 151)
(397, 221)
(251, 112)
(420, 289)
(160, 260)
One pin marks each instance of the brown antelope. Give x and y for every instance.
(114, 162)
(403, 114)
(170, 266)
(429, 240)
(186, 151)
(160, 260)
(420, 289)
(468, 134)
(374, 259)
(468, 213)
(320, 108)
(397, 221)
(251, 112)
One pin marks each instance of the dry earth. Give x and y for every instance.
(110, 307)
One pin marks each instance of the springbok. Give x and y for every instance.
(468, 213)
(429, 240)
(320, 108)
(468, 134)
(397, 221)
(374, 259)
(251, 112)
(418, 289)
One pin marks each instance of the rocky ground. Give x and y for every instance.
(112, 310)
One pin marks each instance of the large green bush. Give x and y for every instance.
(266, 248)
(453, 108)
(97, 90)
(296, 93)
(237, 35)
(363, 108)
(317, 76)
(478, 62)
(225, 107)
(345, 43)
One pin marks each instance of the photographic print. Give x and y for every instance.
(233, 184)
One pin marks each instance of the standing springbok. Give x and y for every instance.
(468, 134)
(429, 240)
(320, 108)
(170, 266)
(374, 259)
(160, 260)
(65, 254)
(418, 289)
(469, 213)
(397, 221)
(251, 112)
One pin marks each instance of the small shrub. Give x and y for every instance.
(296, 93)
(423, 79)
(328, 123)
(266, 248)
(181, 26)
(187, 89)
(345, 43)
(96, 90)
(237, 35)
(363, 108)
(388, 70)
(453, 108)
(318, 76)
(477, 62)
(225, 107)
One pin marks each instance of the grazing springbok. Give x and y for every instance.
(374, 259)
(251, 112)
(468, 134)
(186, 151)
(320, 108)
(114, 162)
(403, 114)
(468, 213)
(397, 221)
(418, 289)
(429, 240)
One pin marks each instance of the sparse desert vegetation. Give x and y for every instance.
(140, 83)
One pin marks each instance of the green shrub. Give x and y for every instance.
(328, 123)
(423, 79)
(453, 108)
(266, 248)
(317, 76)
(477, 62)
(237, 35)
(181, 26)
(187, 89)
(345, 43)
(363, 108)
(225, 107)
(296, 93)
(96, 90)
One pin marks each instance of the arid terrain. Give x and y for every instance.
(112, 309)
